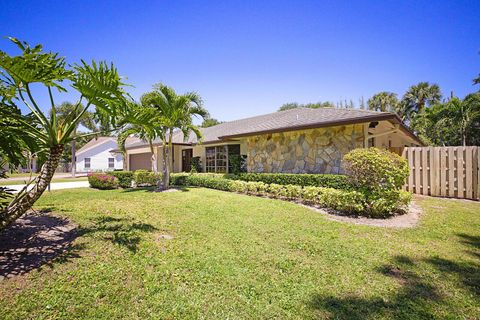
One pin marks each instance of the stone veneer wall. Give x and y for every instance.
(308, 151)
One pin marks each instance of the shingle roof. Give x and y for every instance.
(293, 119)
(95, 142)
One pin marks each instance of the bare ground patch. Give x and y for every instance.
(33, 241)
(407, 220)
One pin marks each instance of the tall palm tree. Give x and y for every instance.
(66, 110)
(98, 84)
(383, 101)
(464, 113)
(419, 96)
(141, 122)
(175, 112)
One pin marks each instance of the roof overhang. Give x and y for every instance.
(393, 118)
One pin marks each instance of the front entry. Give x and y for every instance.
(187, 155)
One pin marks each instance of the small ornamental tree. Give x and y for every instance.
(380, 175)
(99, 87)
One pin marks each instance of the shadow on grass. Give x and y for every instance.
(152, 189)
(418, 296)
(34, 240)
(121, 231)
(40, 239)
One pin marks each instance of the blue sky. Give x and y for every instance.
(249, 57)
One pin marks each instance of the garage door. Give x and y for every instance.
(141, 161)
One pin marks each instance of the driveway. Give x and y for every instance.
(55, 176)
(54, 185)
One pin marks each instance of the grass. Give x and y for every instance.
(23, 181)
(242, 257)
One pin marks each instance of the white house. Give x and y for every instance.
(99, 154)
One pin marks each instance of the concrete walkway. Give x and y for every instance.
(55, 176)
(53, 186)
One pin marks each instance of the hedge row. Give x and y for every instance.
(316, 180)
(123, 179)
(349, 201)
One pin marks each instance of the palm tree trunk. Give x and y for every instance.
(24, 201)
(165, 169)
(74, 156)
(153, 159)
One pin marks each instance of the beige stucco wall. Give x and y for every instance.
(308, 151)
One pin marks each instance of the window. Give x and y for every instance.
(111, 163)
(87, 163)
(216, 158)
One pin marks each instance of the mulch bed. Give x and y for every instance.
(33, 241)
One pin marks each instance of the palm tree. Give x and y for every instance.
(66, 110)
(419, 96)
(175, 112)
(141, 122)
(465, 113)
(99, 85)
(383, 101)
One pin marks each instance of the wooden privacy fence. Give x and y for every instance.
(444, 171)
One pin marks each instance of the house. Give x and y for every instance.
(300, 140)
(99, 154)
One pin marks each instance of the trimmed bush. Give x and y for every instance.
(336, 181)
(342, 200)
(178, 179)
(124, 178)
(375, 169)
(102, 181)
(146, 178)
(363, 201)
(379, 175)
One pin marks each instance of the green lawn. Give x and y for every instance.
(22, 181)
(243, 257)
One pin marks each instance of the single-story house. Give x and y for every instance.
(99, 154)
(300, 140)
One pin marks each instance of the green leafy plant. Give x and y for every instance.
(379, 175)
(124, 178)
(144, 178)
(102, 181)
(98, 85)
(196, 164)
(317, 180)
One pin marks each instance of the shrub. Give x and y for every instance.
(254, 187)
(349, 201)
(336, 181)
(178, 179)
(380, 175)
(196, 164)
(293, 191)
(124, 178)
(238, 163)
(146, 178)
(102, 181)
(238, 186)
(375, 169)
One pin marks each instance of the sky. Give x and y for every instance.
(247, 58)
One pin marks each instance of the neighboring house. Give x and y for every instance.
(99, 154)
(29, 166)
(300, 140)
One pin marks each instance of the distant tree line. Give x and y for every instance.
(435, 119)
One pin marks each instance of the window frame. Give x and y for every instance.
(89, 163)
(217, 158)
(113, 163)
